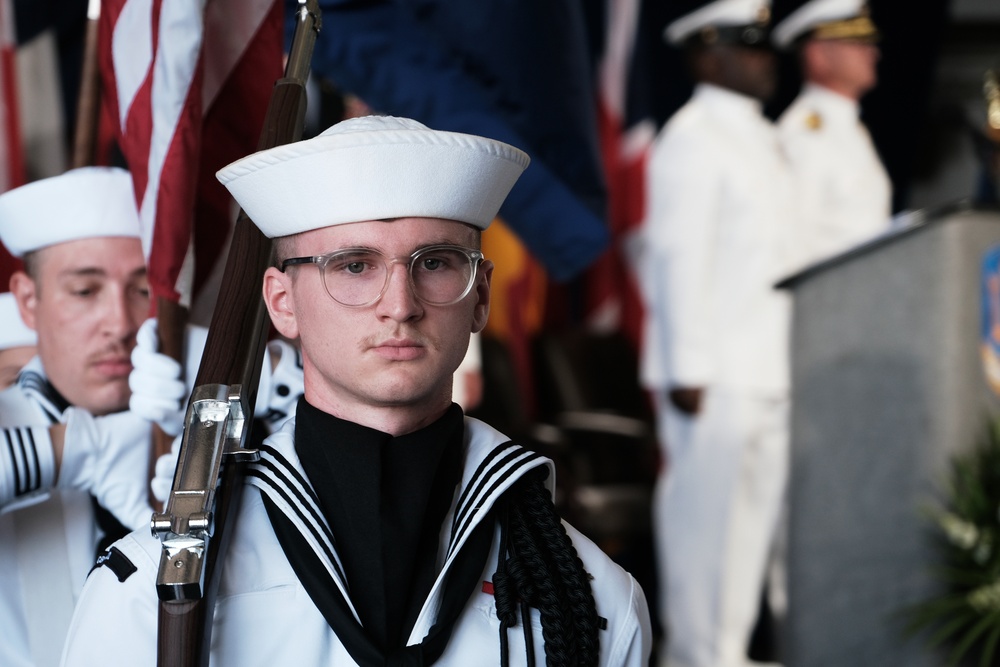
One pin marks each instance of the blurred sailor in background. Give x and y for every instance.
(715, 345)
(67, 434)
(843, 194)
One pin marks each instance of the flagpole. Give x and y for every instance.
(89, 99)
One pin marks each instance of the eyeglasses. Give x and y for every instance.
(440, 275)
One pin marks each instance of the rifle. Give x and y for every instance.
(197, 522)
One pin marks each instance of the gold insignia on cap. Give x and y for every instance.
(814, 121)
(709, 34)
(857, 27)
(763, 14)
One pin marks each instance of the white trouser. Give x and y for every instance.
(716, 511)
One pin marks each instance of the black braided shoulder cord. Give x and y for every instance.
(504, 598)
(543, 570)
(576, 590)
(512, 586)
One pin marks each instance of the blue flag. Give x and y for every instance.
(517, 72)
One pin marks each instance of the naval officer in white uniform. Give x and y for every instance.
(714, 352)
(844, 196)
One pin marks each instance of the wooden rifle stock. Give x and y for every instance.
(197, 523)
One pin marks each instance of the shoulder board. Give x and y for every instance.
(117, 562)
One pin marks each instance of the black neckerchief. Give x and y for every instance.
(385, 499)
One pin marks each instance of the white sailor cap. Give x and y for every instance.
(13, 331)
(826, 19)
(82, 203)
(374, 168)
(723, 21)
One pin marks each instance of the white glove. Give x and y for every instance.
(109, 457)
(277, 396)
(163, 472)
(159, 394)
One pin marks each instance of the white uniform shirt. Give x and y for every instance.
(46, 549)
(843, 194)
(265, 617)
(715, 240)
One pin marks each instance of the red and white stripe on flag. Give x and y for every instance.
(167, 67)
(12, 172)
(613, 300)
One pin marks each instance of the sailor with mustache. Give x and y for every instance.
(84, 292)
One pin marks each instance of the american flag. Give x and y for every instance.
(186, 83)
(627, 131)
(11, 151)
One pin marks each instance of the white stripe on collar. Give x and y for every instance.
(493, 463)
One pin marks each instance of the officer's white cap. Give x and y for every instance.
(83, 203)
(832, 19)
(718, 14)
(374, 168)
(13, 331)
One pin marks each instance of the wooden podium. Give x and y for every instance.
(888, 382)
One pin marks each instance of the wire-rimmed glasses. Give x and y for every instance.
(439, 275)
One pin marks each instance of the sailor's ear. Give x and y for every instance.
(482, 291)
(25, 291)
(277, 292)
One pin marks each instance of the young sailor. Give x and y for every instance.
(382, 526)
